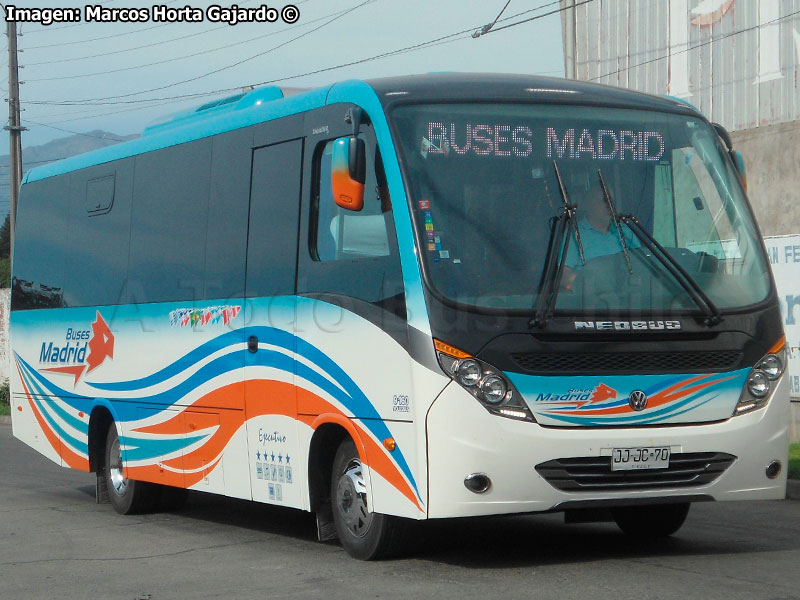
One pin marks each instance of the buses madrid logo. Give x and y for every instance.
(82, 351)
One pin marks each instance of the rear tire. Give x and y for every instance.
(365, 535)
(651, 521)
(126, 495)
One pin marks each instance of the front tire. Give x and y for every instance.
(364, 534)
(651, 521)
(126, 495)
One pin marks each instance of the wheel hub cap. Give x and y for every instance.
(119, 482)
(351, 499)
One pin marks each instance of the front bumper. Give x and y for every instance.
(463, 439)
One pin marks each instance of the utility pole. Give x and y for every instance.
(14, 127)
(568, 25)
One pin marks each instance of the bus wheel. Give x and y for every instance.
(651, 521)
(126, 495)
(364, 534)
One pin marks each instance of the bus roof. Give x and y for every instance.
(268, 103)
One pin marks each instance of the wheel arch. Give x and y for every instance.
(101, 418)
(329, 432)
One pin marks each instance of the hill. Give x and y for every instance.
(57, 149)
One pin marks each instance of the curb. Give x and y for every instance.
(793, 489)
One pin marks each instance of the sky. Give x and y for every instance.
(80, 77)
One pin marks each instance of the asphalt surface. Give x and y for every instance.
(56, 543)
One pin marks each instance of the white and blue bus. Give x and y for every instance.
(410, 298)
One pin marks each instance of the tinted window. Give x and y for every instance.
(353, 254)
(226, 245)
(342, 233)
(99, 240)
(40, 240)
(169, 221)
(274, 219)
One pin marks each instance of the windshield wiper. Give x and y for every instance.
(613, 212)
(687, 282)
(571, 209)
(555, 261)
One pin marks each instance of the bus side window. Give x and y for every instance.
(341, 233)
(353, 255)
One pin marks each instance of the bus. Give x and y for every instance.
(411, 298)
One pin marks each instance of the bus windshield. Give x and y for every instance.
(487, 182)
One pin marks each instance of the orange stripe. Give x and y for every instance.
(70, 458)
(661, 398)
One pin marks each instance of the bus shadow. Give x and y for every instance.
(245, 514)
(516, 541)
(520, 541)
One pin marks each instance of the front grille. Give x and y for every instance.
(629, 362)
(593, 473)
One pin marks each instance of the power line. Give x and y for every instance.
(699, 45)
(487, 27)
(74, 132)
(97, 39)
(93, 112)
(194, 54)
(552, 12)
(116, 112)
(48, 28)
(437, 41)
(107, 37)
(236, 64)
(148, 45)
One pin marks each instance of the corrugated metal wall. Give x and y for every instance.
(736, 60)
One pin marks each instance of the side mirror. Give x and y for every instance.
(724, 135)
(736, 156)
(738, 162)
(348, 172)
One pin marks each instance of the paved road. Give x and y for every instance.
(56, 543)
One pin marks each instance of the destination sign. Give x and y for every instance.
(521, 141)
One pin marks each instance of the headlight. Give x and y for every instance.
(758, 384)
(760, 380)
(493, 389)
(771, 365)
(468, 372)
(486, 383)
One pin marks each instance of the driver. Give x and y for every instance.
(598, 233)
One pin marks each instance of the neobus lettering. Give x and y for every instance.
(626, 325)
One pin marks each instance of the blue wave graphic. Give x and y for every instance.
(346, 392)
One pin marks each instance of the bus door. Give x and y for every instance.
(270, 305)
(351, 313)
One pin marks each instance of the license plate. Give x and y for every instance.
(629, 459)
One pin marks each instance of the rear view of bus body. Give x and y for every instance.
(424, 297)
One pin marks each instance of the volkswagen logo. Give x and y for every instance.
(638, 400)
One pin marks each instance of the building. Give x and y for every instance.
(738, 61)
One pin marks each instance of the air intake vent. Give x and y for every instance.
(629, 362)
(593, 474)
